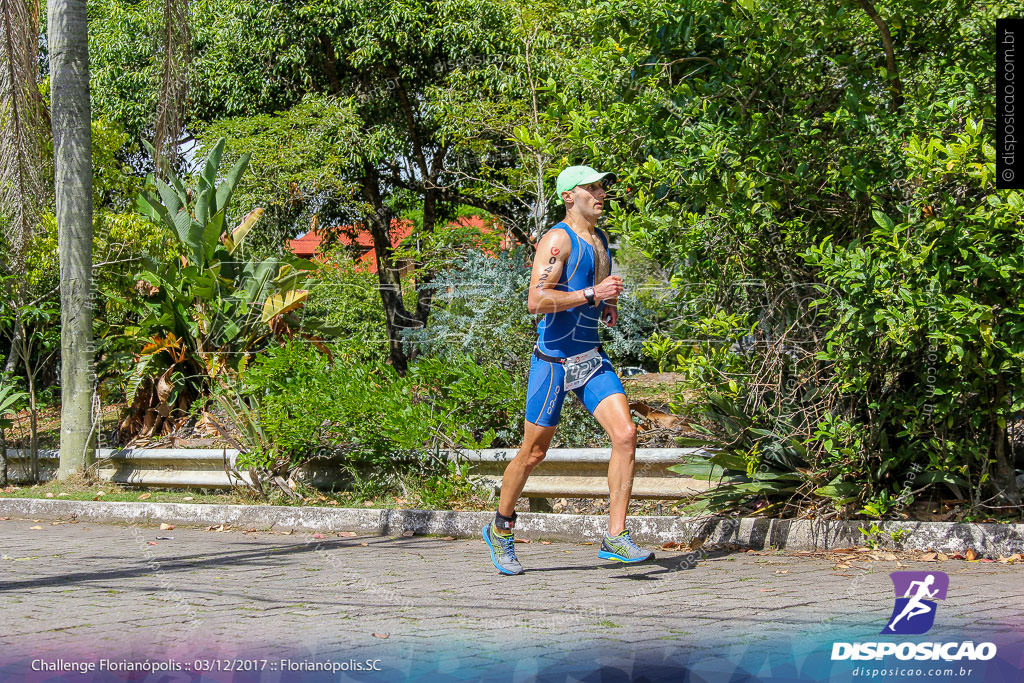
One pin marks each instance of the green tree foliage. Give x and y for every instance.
(746, 134)
(344, 107)
(926, 345)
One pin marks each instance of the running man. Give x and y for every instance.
(914, 606)
(572, 285)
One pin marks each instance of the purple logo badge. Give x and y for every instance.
(916, 593)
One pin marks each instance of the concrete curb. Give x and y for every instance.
(987, 539)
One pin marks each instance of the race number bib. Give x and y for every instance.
(580, 368)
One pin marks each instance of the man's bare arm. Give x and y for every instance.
(552, 252)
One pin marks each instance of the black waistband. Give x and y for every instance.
(555, 359)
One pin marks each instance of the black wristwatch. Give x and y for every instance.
(589, 293)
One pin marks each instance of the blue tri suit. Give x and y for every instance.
(568, 333)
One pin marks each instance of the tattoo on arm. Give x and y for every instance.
(547, 271)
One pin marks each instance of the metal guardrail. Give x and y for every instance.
(569, 473)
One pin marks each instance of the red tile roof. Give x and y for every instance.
(307, 245)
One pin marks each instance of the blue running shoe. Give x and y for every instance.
(621, 548)
(503, 550)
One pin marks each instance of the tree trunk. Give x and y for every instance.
(1004, 478)
(33, 438)
(3, 459)
(12, 358)
(72, 140)
(396, 317)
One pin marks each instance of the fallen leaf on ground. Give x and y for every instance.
(188, 498)
(150, 542)
(381, 635)
(346, 534)
(63, 494)
(545, 542)
(928, 557)
(889, 557)
(900, 564)
(985, 559)
(164, 526)
(781, 571)
(35, 527)
(957, 556)
(766, 590)
(670, 545)
(364, 543)
(448, 538)
(368, 503)
(407, 533)
(588, 543)
(144, 496)
(319, 536)
(49, 494)
(971, 555)
(942, 557)
(100, 493)
(523, 540)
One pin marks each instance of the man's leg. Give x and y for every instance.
(536, 440)
(498, 534)
(613, 414)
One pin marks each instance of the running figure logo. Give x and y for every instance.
(916, 592)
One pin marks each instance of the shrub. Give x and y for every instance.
(300, 405)
(921, 360)
(927, 347)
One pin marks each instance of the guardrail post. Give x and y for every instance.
(540, 505)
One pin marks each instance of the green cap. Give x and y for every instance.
(577, 175)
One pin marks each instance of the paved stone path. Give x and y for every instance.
(94, 588)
